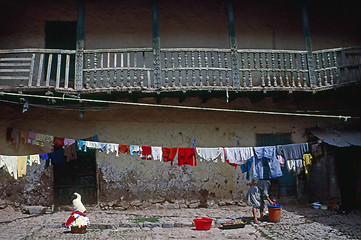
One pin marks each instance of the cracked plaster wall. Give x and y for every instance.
(126, 178)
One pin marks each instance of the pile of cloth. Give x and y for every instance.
(77, 219)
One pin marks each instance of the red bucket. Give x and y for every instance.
(203, 223)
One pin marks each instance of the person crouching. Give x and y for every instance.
(255, 198)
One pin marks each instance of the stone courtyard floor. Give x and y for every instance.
(297, 222)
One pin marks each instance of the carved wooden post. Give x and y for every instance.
(79, 55)
(156, 44)
(233, 43)
(307, 38)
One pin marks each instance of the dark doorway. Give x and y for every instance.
(286, 182)
(79, 175)
(60, 35)
(348, 169)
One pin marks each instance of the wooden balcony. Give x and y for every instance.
(108, 70)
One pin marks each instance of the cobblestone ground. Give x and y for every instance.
(297, 222)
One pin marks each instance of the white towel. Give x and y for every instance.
(112, 147)
(157, 153)
(93, 145)
(294, 165)
(210, 154)
(238, 155)
(34, 159)
(10, 162)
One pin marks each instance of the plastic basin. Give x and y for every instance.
(203, 223)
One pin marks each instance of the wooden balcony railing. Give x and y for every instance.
(180, 70)
(37, 68)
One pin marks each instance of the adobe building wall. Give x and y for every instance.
(126, 179)
(184, 24)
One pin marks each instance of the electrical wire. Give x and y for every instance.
(96, 109)
(82, 100)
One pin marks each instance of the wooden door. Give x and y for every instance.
(79, 175)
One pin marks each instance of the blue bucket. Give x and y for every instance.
(274, 206)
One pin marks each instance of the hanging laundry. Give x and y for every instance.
(112, 147)
(257, 168)
(48, 139)
(39, 140)
(34, 159)
(210, 154)
(82, 145)
(21, 165)
(281, 160)
(146, 153)
(31, 137)
(187, 156)
(238, 155)
(23, 136)
(307, 161)
(68, 141)
(294, 165)
(124, 148)
(57, 156)
(58, 142)
(247, 168)
(92, 145)
(70, 152)
(157, 153)
(294, 151)
(291, 165)
(299, 165)
(168, 154)
(10, 162)
(102, 147)
(193, 144)
(44, 156)
(270, 153)
(134, 149)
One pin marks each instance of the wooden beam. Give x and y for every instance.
(79, 55)
(156, 44)
(233, 43)
(308, 46)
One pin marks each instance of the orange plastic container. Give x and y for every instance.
(274, 212)
(203, 223)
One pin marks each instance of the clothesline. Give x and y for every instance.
(84, 100)
(246, 157)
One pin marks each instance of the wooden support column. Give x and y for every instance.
(308, 46)
(233, 43)
(79, 55)
(156, 45)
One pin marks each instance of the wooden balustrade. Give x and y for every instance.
(199, 69)
(273, 70)
(37, 68)
(124, 69)
(184, 69)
